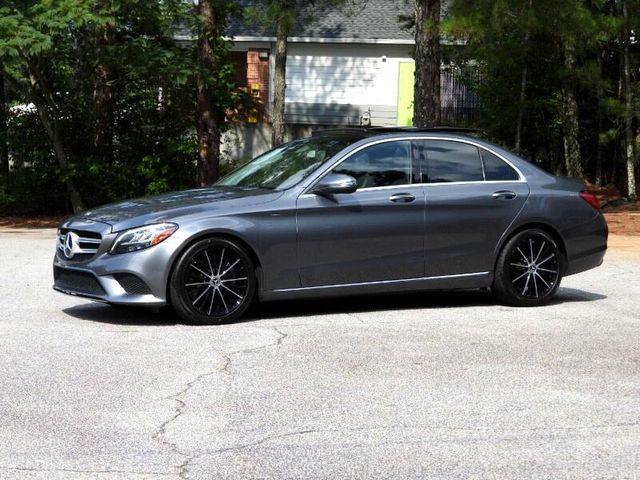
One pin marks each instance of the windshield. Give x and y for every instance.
(284, 166)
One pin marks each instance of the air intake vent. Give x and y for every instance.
(132, 284)
(77, 282)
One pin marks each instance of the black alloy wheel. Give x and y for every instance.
(213, 282)
(529, 269)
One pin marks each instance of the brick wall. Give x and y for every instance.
(258, 73)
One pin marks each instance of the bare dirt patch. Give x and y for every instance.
(624, 223)
(623, 247)
(30, 222)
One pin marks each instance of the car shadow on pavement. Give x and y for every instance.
(569, 295)
(117, 315)
(101, 313)
(399, 301)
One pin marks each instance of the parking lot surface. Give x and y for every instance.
(432, 385)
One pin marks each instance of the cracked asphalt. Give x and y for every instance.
(433, 385)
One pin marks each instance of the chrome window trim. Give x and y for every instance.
(521, 177)
(482, 182)
(381, 282)
(404, 186)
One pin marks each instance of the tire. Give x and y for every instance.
(213, 282)
(529, 269)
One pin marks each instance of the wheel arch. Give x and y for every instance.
(545, 227)
(215, 234)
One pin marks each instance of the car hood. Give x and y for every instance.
(168, 207)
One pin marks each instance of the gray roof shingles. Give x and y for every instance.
(361, 19)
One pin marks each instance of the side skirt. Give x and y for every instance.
(448, 282)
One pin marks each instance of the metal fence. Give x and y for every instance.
(460, 104)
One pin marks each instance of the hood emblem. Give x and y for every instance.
(71, 245)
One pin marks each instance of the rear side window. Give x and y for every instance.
(497, 169)
(380, 165)
(452, 162)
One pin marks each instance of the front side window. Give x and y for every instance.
(381, 165)
(287, 165)
(448, 161)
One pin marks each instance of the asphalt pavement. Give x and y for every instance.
(431, 385)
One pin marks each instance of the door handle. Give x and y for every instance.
(402, 198)
(504, 195)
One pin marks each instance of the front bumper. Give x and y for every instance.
(106, 288)
(136, 278)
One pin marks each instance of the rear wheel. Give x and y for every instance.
(529, 269)
(213, 282)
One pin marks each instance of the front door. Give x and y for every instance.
(375, 234)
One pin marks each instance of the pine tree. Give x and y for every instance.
(280, 17)
(426, 110)
(4, 116)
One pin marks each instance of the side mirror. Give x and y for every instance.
(335, 183)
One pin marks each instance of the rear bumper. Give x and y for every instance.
(586, 245)
(586, 262)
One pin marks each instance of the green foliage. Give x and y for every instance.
(33, 186)
(117, 87)
(508, 40)
(220, 79)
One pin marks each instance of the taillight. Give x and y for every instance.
(590, 198)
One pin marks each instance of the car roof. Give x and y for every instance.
(364, 132)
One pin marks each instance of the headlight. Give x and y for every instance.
(142, 237)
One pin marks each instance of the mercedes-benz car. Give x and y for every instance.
(343, 212)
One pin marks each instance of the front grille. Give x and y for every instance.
(84, 246)
(78, 282)
(132, 284)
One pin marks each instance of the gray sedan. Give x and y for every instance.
(344, 212)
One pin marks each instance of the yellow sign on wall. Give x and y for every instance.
(255, 93)
(405, 94)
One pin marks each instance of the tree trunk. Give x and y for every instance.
(48, 114)
(599, 95)
(523, 94)
(523, 84)
(54, 132)
(280, 86)
(4, 117)
(628, 105)
(572, 159)
(207, 117)
(426, 92)
(103, 98)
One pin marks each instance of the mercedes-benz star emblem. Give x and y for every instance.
(71, 245)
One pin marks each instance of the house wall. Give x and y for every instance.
(336, 84)
(328, 85)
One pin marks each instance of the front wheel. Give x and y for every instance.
(213, 282)
(529, 269)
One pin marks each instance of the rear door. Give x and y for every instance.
(472, 196)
